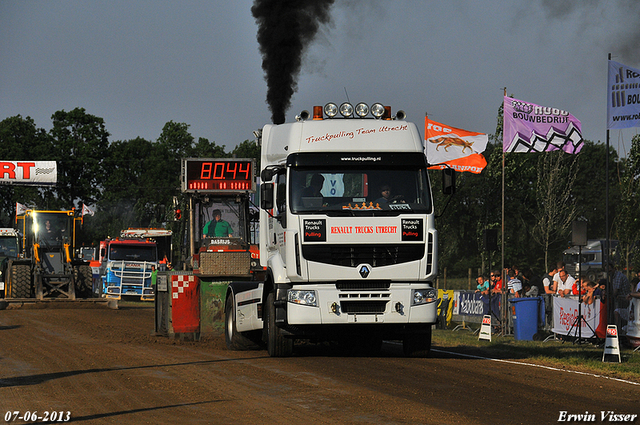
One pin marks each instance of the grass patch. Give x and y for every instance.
(567, 355)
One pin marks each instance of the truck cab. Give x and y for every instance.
(47, 266)
(126, 268)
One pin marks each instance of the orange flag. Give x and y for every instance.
(454, 147)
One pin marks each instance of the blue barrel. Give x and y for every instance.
(525, 319)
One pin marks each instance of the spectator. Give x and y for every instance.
(535, 280)
(601, 290)
(590, 287)
(514, 284)
(620, 282)
(550, 285)
(566, 283)
(483, 285)
(154, 275)
(583, 288)
(530, 290)
(496, 282)
(556, 277)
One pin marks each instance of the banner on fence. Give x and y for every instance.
(565, 315)
(446, 295)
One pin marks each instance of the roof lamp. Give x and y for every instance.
(377, 110)
(362, 109)
(317, 112)
(346, 109)
(331, 110)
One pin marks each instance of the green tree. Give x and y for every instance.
(80, 142)
(248, 149)
(206, 149)
(627, 218)
(589, 188)
(20, 140)
(554, 210)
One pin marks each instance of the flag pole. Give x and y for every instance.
(502, 273)
(608, 289)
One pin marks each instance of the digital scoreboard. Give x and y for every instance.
(218, 175)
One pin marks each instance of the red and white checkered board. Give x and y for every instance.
(180, 284)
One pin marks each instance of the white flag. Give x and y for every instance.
(20, 209)
(623, 96)
(87, 210)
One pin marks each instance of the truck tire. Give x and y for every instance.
(417, 345)
(277, 344)
(21, 286)
(236, 340)
(83, 278)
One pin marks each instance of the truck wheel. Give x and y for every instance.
(277, 344)
(235, 340)
(83, 277)
(417, 345)
(21, 281)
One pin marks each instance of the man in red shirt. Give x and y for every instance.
(496, 282)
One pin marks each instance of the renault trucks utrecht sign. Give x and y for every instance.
(39, 173)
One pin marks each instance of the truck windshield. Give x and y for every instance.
(132, 253)
(51, 228)
(380, 190)
(8, 247)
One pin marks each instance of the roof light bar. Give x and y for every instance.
(346, 109)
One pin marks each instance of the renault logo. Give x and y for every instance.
(364, 271)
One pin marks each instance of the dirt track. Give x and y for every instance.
(103, 366)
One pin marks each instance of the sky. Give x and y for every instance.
(140, 64)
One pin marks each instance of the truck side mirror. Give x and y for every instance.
(266, 196)
(448, 181)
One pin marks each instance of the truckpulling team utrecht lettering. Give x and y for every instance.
(351, 134)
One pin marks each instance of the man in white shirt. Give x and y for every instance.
(566, 283)
(556, 277)
(549, 284)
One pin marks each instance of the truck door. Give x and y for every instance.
(281, 214)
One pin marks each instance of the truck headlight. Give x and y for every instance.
(303, 297)
(423, 296)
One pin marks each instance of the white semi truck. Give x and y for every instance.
(344, 262)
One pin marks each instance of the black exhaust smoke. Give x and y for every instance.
(285, 28)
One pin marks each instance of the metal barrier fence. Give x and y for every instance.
(560, 314)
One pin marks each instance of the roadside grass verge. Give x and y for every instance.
(585, 357)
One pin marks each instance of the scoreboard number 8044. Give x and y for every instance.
(218, 176)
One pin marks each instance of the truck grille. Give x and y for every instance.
(225, 263)
(356, 285)
(363, 307)
(354, 255)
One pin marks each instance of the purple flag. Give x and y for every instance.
(533, 128)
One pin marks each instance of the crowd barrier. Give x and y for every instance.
(558, 315)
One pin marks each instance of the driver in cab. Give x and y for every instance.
(386, 198)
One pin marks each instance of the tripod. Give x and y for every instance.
(577, 323)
